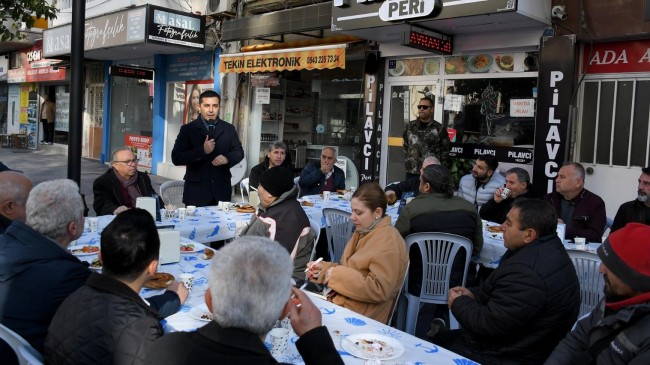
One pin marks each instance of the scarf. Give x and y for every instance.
(131, 186)
(367, 230)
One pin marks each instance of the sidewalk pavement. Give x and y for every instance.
(51, 162)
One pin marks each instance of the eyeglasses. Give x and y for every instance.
(130, 162)
(425, 107)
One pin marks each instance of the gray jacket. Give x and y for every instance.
(631, 346)
(478, 196)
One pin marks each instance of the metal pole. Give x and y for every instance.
(76, 90)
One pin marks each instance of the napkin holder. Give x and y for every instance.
(148, 204)
(561, 231)
(170, 246)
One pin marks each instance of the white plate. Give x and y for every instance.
(495, 235)
(76, 250)
(390, 347)
(432, 67)
(485, 68)
(96, 268)
(197, 247)
(399, 69)
(200, 313)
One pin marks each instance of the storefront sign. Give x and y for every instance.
(522, 108)
(262, 95)
(34, 68)
(503, 154)
(556, 77)
(428, 41)
(189, 66)
(619, 57)
(141, 147)
(362, 14)
(316, 58)
(371, 133)
(175, 27)
(111, 30)
(136, 73)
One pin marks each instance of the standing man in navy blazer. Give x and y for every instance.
(208, 147)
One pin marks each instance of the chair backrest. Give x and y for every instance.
(25, 353)
(237, 172)
(315, 225)
(172, 192)
(438, 253)
(244, 185)
(351, 173)
(591, 280)
(339, 230)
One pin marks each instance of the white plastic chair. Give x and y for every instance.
(591, 280)
(315, 225)
(244, 185)
(438, 252)
(351, 173)
(339, 230)
(25, 353)
(172, 192)
(237, 172)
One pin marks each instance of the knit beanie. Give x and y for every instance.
(626, 253)
(277, 180)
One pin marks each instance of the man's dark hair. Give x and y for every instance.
(429, 100)
(491, 161)
(536, 214)
(439, 178)
(522, 175)
(209, 94)
(129, 244)
(646, 170)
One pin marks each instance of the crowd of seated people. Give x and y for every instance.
(524, 312)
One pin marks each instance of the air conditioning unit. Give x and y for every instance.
(219, 7)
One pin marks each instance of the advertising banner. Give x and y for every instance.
(556, 80)
(192, 92)
(175, 27)
(317, 58)
(617, 57)
(141, 148)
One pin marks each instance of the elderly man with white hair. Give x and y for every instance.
(36, 271)
(250, 289)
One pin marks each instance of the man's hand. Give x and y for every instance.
(497, 195)
(457, 292)
(120, 209)
(180, 290)
(208, 145)
(220, 160)
(306, 317)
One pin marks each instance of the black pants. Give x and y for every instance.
(48, 131)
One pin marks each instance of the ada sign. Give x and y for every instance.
(392, 10)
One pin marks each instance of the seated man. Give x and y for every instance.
(525, 307)
(118, 188)
(518, 182)
(281, 218)
(616, 331)
(14, 189)
(479, 186)
(276, 156)
(106, 321)
(396, 191)
(319, 176)
(637, 210)
(582, 211)
(249, 291)
(36, 271)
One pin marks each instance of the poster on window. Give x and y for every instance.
(193, 90)
(141, 148)
(62, 117)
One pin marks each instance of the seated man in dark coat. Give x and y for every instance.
(106, 321)
(276, 156)
(527, 305)
(36, 271)
(249, 290)
(319, 176)
(395, 191)
(117, 189)
(637, 210)
(519, 186)
(281, 218)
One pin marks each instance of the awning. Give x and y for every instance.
(304, 58)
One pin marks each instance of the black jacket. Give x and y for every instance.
(589, 216)
(205, 183)
(312, 179)
(108, 195)
(524, 308)
(411, 184)
(632, 211)
(496, 212)
(104, 322)
(213, 344)
(257, 170)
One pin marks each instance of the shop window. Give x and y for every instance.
(614, 122)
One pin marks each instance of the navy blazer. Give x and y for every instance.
(204, 182)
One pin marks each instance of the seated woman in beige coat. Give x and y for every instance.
(373, 263)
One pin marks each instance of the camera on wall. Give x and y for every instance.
(559, 12)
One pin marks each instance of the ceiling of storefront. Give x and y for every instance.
(134, 51)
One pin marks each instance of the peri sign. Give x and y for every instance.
(392, 10)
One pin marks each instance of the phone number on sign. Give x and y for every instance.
(323, 59)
